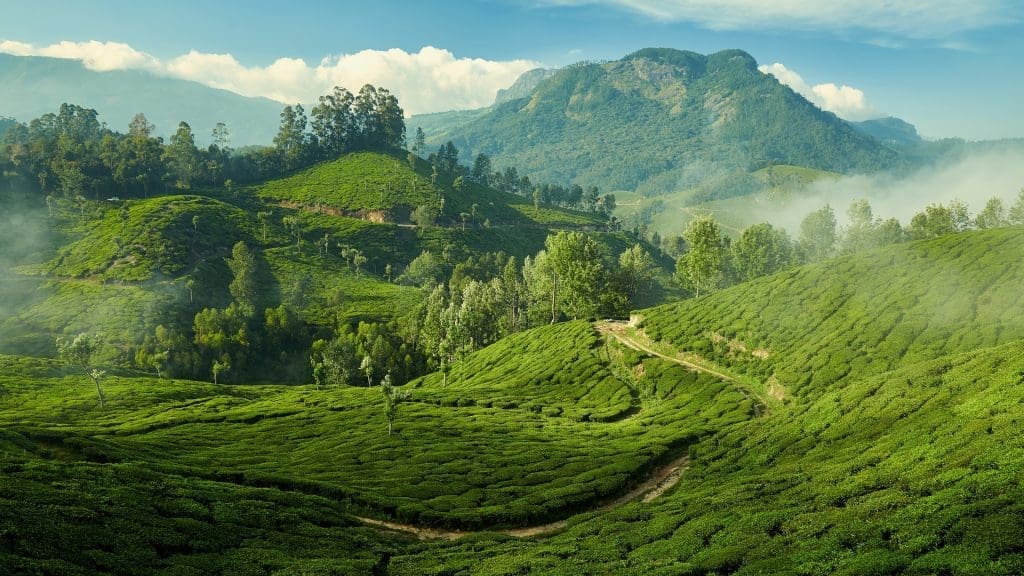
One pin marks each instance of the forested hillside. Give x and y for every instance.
(662, 120)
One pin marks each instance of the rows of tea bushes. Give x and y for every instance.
(914, 471)
(515, 438)
(823, 324)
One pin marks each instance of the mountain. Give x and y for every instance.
(890, 131)
(32, 86)
(524, 85)
(662, 120)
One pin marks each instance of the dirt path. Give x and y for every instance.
(618, 330)
(659, 482)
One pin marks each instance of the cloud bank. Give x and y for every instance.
(844, 101)
(906, 18)
(430, 80)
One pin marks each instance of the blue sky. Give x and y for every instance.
(951, 67)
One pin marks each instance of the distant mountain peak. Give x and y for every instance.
(660, 120)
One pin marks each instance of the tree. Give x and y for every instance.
(578, 268)
(635, 271)
(243, 285)
(79, 352)
(291, 141)
(358, 259)
(392, 398)
(993, 215)
(761, 250)
(860, 232)
(936, 220)
(182, 156)
(264, 218)
(702, 267)
(818, 234)
(367, 367)
(424, 216)
(482, 169)
(294, 226)
(1016, 214)
(220, 366)
(419, 143)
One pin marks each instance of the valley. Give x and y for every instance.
(663, 314)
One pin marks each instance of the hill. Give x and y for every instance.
(888, 443)
(821, 325)
(856, 416)
(121, 94)
(662, 120)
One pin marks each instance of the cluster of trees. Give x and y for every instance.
(509, 180)
(341, 122)
(73, 154)
(245, 341)
(708, 259)
(489, 298)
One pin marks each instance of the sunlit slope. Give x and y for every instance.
(386, 187)
(523, 433)
(816, 327)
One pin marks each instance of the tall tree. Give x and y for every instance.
(481, 171)
(243, 286)
(182, 156)
(818, 234)
(79, 352)
(578, 266)
(419, 143)
(761, 250)
(702, 267)
(1016, 213)
(291, 140)
(993, 215)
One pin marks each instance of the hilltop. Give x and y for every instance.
(662, 120)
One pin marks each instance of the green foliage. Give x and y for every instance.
(159, 237)
(703, 264)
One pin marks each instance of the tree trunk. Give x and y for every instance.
(99, 392)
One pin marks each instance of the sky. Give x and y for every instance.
(950, 67)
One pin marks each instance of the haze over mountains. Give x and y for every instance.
(120, 94)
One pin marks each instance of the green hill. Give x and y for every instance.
(662, 120)
(890, 444)
(822, 325)
(856, 416)
(386, 188)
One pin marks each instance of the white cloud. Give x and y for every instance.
(99, 56)
(909, 18)
(844, 101)
(430, 80)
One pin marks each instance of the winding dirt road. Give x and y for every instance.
(660, 481)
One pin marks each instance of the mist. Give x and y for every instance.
(972, 179)
(25, 238)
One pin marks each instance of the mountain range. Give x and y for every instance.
(31, 86)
